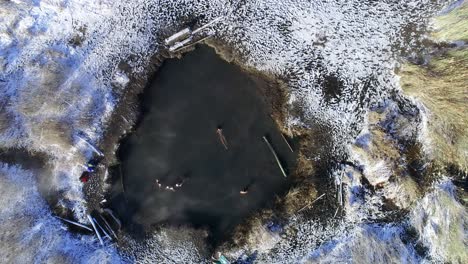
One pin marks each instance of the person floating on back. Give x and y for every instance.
(245, 190)
(221, 137)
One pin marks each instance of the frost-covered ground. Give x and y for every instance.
(29, 233)
(62, 74)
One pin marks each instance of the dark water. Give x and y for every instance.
(176, 141)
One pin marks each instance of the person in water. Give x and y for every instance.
(221, 137)
(158, 183)
(247, 187)
(245, 190)
(179, 184)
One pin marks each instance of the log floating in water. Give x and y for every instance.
(275, 155)
(103, 230)
(108, 226)
(74, 223)
(109, 211)
(287, 143)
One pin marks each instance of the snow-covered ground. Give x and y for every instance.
(61, 76)
(30, 234)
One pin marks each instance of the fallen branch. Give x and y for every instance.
(275, 155)
(206, 25)
(336, 212)
(309, 204)
(287, 143)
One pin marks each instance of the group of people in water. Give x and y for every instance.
(169, 187)
(223, 141)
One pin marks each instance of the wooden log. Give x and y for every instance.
(103, 230)
(95, 230)
(184, 33)
(275, 155)
(108, 226)
(180, 44)
(74, 223)
(192, 44)
(109, 211)
(91, 146)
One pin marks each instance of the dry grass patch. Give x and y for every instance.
(454, 25)
(442, 88)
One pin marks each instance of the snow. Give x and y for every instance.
(30, 234)
(60, 79)
(441, 222)
(385, 240)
